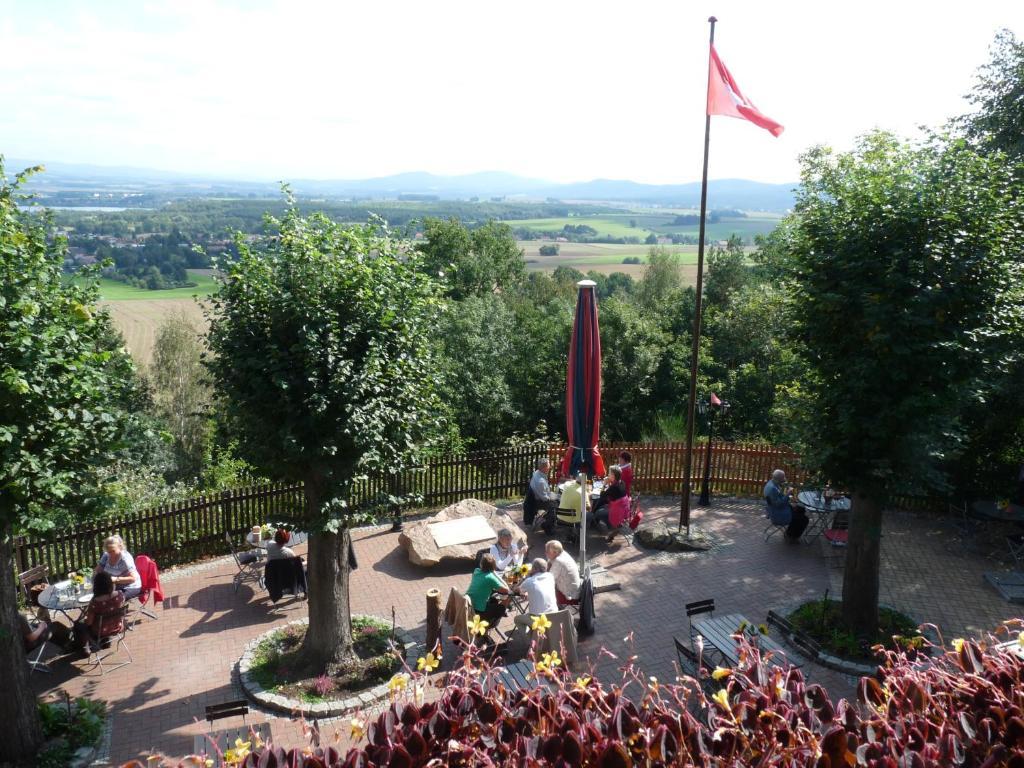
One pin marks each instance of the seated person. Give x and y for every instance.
(103, 616)
(544, 497)
(33, 637)
(118, 563)
(539, 589)
(626, 466)
(565, 573)
(485, 588)
(572, 500)
(614, 489)
(278, 549)
(507, 553)
(781, 509)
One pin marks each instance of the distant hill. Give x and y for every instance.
(722, 193)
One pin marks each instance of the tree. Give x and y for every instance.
(999, 95)
(322, 348)
(63, 377)
(182, 393)
(651, 239)
(472, 263)
(661, 280)
(906, 271)
(551, 249)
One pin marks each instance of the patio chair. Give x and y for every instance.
(31, 583)
(249, 566)
(569, 520)
(1015, 543)
(103, 646)
(214, 744)
(969, 526)
(690, 666)
(35, 647)
(150, 575)
(627, 529)
(699, 608)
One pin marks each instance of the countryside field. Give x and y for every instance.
(618, 225)
(114, 290)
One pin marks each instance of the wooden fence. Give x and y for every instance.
(185, 531)
(737, 469)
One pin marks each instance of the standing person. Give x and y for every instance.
(626, 467)
(564, 571)
(782, 510)
(118, 563)
(614, 489)
(485, 588)
(507, 553)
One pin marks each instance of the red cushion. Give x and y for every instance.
(837, 537)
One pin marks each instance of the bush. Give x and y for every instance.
(965, 707)
(823, 621)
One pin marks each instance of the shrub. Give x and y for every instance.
(964, 707)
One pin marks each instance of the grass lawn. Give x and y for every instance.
(617, 225)
(113, 290)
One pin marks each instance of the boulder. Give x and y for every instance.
(417, 539)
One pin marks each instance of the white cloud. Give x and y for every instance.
(566, 90)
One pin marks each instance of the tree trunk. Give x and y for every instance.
(860, 579)
(329, 638)
(22, 732)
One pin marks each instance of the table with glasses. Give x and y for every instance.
(258, 542)
(64, 597)
(821, 510)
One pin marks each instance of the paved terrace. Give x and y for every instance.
(184, 660)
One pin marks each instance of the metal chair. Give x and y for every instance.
(249, 566)
(968, 526)
(699, 608)
(627, 528)
(97, 643)
(35, 576)
(34, 654)
(690, 665)
(1015, 542)
(214, 744)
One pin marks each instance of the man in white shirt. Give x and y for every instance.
(539, 590)
(506, 552)
(564, 571)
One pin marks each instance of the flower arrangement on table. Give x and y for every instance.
(517, 573)
(266, 532)
(77, 581)
(1003, 504)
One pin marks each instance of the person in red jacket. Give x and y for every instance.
(626, 466)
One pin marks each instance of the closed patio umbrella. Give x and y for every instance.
(583, 397)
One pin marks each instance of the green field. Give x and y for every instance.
(618, 225)
(114, 290)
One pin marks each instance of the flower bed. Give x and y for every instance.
(963, 707)
(272, 672)
(822, 621)
(72, 731)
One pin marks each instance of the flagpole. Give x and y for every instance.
(684, 512)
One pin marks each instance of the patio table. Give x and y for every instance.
(298, 537)
(61, 598)
(719, 631)
(819, 509)
(990, 510)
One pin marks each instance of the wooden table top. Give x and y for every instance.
(719, 631)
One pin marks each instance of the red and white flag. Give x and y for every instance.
(726, 98)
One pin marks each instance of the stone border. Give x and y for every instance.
(837, 663)
(293, 707)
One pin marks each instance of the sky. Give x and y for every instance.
(550, 89)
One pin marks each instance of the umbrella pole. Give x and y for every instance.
(581, 478)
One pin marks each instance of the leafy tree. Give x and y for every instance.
(662, 279)
(323, 355)
(63, 379)
(727, 272)
(651, 239)
(472, 263)
(549, 249)
(631, 351)
(182, 392)
(906, 267)
(998, 94)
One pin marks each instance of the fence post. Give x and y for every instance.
(19, 554)
(225, 510)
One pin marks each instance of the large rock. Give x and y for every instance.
(417, 539)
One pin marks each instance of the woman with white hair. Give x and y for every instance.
(118, 563)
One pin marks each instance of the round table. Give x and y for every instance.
(61, 597)
(815, 501)
(1012, 513)
(297, 537)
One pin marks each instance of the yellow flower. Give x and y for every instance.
(397, 683)
(478, 627)
(762, 628)
(958, 644)
(541, 624)
(548, 662)
(721, 673)
(582, 682)
(652, 683)
(721, 698)
(428, 663)
(358, 726)
(743, 625)
(209, 763)
(238, 753)
(1020, 639)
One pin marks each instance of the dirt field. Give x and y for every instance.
(138, 321)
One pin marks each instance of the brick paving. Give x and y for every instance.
(184, 660)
